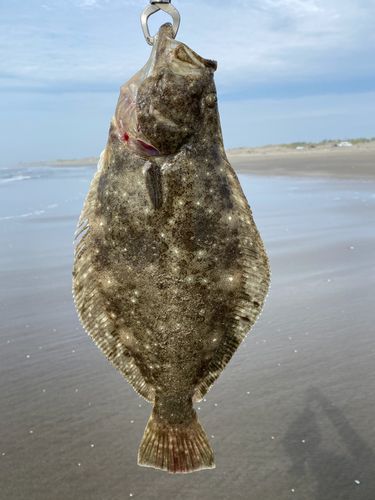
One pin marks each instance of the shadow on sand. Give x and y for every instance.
(336, 471)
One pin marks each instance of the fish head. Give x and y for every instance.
(165, 104)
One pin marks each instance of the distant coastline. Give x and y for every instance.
(325, 147)
(83, 162)
(324, 159)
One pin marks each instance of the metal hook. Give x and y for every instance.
(154, 6)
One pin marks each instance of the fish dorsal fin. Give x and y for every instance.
(255, 284)
(89, 302)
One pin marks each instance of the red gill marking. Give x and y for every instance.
(148, 147)
(126, 137)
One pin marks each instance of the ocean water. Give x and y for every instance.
(36, 204)
(290, 417)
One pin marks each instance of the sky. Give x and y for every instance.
(288, 70)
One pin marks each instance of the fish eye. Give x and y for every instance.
(211, 100)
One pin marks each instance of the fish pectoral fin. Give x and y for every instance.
(154, 183)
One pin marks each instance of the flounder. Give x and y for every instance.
(170, 271)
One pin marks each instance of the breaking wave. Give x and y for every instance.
(38, 212)
(15, 178)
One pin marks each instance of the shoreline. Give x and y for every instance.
(327, 161)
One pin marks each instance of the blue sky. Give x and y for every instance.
(288, 70)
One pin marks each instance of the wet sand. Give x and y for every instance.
(291, 417)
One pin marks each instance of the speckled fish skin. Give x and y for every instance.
(170, 270)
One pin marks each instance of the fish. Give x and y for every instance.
(170, 270)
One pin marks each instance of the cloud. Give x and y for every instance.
(87, 3)
(288, 69)
(297, 6)
(68, 44)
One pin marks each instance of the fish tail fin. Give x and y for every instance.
(175, 448)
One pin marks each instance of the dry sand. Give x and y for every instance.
(351, 162)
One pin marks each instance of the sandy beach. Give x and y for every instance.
(293, 414)
(325, 160)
